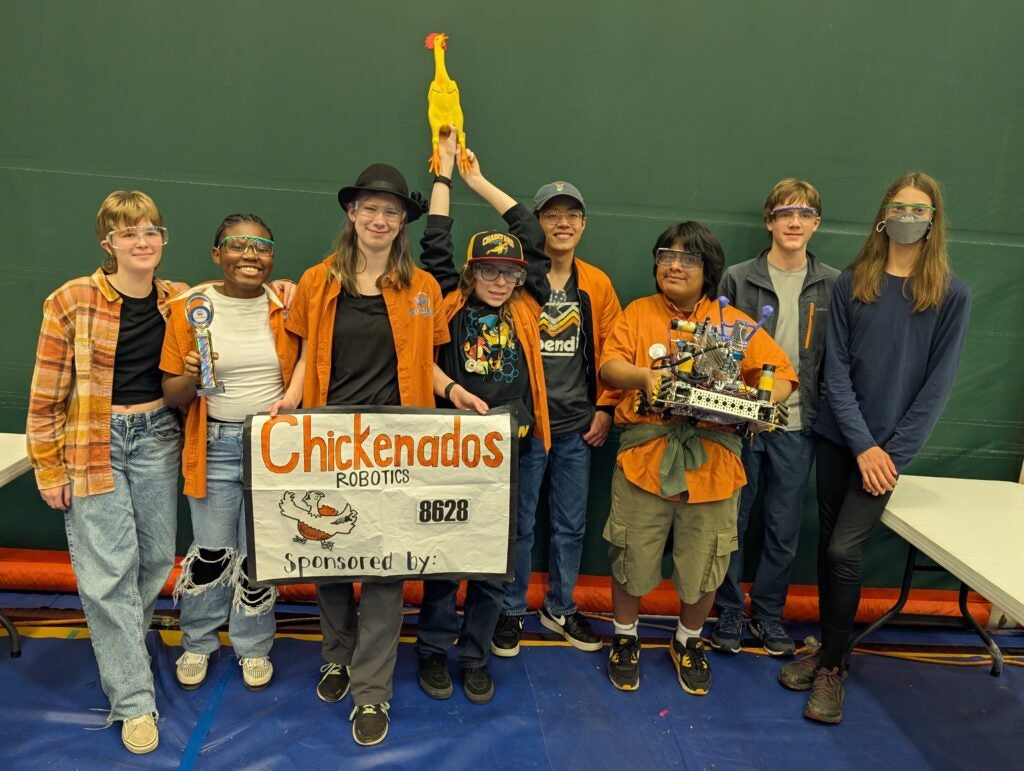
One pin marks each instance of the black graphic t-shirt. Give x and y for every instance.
(486, 359)
(565, 374)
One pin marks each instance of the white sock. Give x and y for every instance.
(683, 634)
(628, 631)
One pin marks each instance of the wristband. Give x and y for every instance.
(448, 390)
(443, 180)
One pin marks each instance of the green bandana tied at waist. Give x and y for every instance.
(683, 451)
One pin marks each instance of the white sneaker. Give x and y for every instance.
(139, 734)
(256, 672)
(191, 669)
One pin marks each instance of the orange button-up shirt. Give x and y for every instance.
(68, 426)
(417, 324)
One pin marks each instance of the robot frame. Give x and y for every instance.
(703, 375)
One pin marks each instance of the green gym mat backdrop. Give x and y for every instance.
(658, 111)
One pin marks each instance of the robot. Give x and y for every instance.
(702, 375)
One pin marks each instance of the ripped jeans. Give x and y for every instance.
(213, 587)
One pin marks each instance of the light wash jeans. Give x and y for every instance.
(569, 463)
(213, 586)
(122, 551)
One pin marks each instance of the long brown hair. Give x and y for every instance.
(930, 278)
(467, 283)
(345, 263)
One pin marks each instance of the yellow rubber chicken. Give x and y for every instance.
(443, 108)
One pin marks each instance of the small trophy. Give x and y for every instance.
(199, 313)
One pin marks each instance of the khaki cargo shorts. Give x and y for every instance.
(638, 526)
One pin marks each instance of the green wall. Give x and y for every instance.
(657, 111)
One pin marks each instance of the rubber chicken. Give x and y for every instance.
(443, 108)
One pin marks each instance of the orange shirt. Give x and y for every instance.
(645, 322)
(417, 324)
(178, 341)
(68, 426)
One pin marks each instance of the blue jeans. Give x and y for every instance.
(122, 551)
(213, 586)
(439, 623)
(783, 460)
(569, 462)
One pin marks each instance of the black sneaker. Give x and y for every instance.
(574, 628)
(478, 685)
(370, 723)
(728, 632)
(825, 704)
(333, 683)
(691, 666)
(624, 662)
(505, 641)
(435, 679)
(774, 637)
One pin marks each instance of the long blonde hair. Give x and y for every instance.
(345, 263)
(929, 281)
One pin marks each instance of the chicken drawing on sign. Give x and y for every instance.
(316, 520)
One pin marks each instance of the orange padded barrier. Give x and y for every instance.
(43, 570)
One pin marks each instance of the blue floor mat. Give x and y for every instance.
(553, 709)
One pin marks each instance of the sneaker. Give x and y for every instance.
(191, 669)
(799, 675)
(728, 632)
(691, 665)
(773, 636)
(370, 723)
(139, 734)
(825, 704)
(256, 672)
(505, 641)
(624, 662)
(333, 683)
(478, 685)
(435, 679)
(574, 628)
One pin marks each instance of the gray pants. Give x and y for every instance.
(365, 641)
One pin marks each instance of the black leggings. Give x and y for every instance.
(846, 515)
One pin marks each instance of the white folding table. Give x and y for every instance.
(973, 528)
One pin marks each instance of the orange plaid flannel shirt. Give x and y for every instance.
(68, 427)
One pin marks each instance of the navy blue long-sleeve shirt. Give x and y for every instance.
(889, 370)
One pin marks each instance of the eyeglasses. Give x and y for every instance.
(369, 211)
(151, 234)
(667, 257)
(239, 245)
(516, 276)
(554, 216)
(919, 211)
(803, 213)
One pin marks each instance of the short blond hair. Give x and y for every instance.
(792, 190)
(124, 208)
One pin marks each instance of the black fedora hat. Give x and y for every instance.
(382, 178)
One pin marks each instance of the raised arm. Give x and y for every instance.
(521, 223)
(436, 251)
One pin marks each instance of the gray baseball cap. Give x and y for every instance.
(555, 189)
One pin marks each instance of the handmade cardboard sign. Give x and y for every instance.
(345, 494)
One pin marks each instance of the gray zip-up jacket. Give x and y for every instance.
(749, 288)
